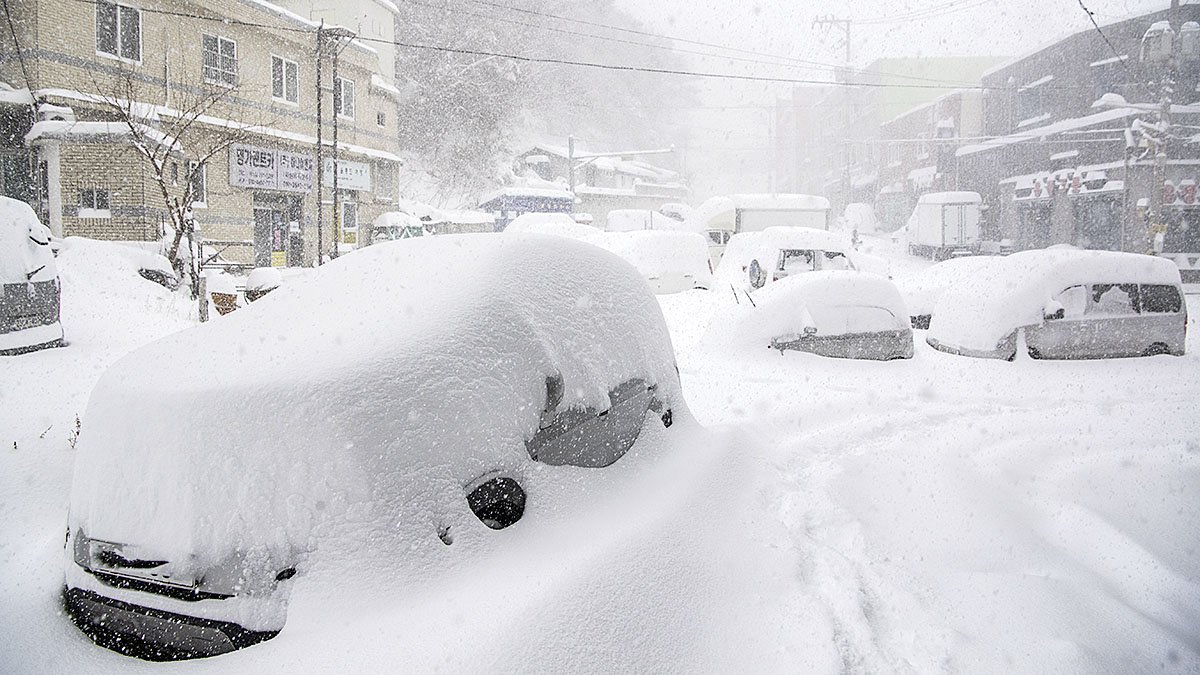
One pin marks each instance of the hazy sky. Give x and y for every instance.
(727, 151)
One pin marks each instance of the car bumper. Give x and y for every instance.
(31, 339)
(154, 634)
(868, 346)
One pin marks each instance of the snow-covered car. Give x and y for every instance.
(757, 258)
(470, 380)
(843, 314)
(633, 220)
(1064, 304)
(922, 290)
(29, 284)
(671, 262)
(557, 224)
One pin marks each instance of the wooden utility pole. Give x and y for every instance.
(844, 24)
(320, 144)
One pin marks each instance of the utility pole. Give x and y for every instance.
(1158, 221)
(844, 24)
(320, 168)
(571, 162)
(324, 34)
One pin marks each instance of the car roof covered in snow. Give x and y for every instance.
(986, 308)
(424, 368)
(658, 251)
(746, 246)
(24, 245)
(950, 198)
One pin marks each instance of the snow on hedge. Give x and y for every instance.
(987, 307)
(832, 302)
(345, 412)
(24, 245)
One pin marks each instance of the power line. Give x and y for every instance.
(926, 13)
(596, 65)
(606, 38)
(1091, 17)
(819, 64)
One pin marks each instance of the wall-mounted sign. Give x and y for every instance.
(269, 169)
(351, 175)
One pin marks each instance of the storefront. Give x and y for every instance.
(353, 178)
(278, 179)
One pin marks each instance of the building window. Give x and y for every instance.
(343, 97)
(220, 60)
(381, 118)
(93, 203)
(198, 174)
(285, 80)
(118, 31)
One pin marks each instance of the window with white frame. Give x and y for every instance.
(343, 97)
(198, 174)
(118, 31)
(285, 80)
(94, 203)
(220, 60)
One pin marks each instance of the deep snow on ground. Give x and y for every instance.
(942, 513)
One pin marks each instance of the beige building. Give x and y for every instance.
(246, 72)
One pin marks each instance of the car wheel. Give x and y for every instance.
(1156, 349)
(1034, 353)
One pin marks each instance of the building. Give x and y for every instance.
(838, 136)
(227, 90)
(604, 183)
(1064, 161)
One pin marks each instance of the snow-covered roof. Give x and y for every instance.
(1048, 130)
(397, 219)
(950, 198)
(520, 191)
(467, 217)
(555, 224)
(69, 130)
(381, 83)
(305, 139)
(986, 308)
(19, 96)
(453, 337)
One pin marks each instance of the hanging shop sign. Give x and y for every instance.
(351, 175)
(269, 169)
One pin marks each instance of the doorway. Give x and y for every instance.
(278, 239)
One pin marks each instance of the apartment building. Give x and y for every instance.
(229, 89)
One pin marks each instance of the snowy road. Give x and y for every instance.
(938, 514)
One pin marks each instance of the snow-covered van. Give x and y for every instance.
(945, 224)
(1064, 304)
(287, 459)
(29, 284)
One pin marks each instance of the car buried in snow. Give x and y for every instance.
(755, 259)
(29, 284)
(469, 381)
(1064, 304)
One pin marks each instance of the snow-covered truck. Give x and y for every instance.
(944, 225)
